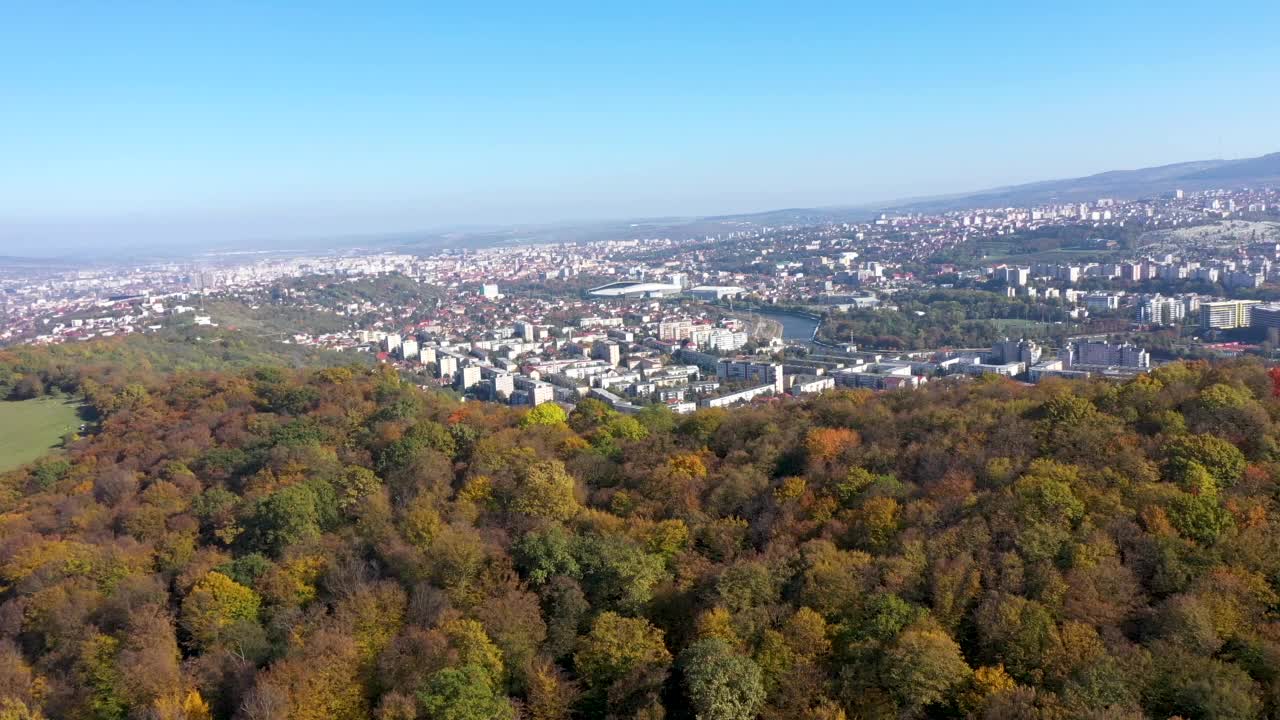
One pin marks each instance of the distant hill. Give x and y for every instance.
(1265, 168)
(1120, 184)
(15, 261)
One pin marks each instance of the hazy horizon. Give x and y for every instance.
(136, 125)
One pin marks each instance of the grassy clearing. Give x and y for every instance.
(30, 428)
(1018, 324)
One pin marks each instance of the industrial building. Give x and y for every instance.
(716, 292)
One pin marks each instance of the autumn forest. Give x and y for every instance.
(272, 543)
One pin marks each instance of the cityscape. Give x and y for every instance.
(731, 318)
(621, 361)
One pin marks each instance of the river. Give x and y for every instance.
(794, 327)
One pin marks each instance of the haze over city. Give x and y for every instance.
(131, 125)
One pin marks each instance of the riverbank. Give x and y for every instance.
(762, 328)
(768, 324)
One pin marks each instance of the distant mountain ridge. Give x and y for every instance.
(1262, 171)
(1120, 184)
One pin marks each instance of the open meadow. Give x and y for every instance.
(30, 428)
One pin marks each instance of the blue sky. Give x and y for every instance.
(192, 122)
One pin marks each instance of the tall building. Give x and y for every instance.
(675, 330)
(1226, 314)
(409, 349)
(446, 365)
(534, 392)
(1014, 276)
(503, 386)
(467, 376)
(725, 340)
(610, 352)
(1243, 279)
(1013, 351)
(1101, 302)
(1266, 315)
(748, 370)
(1207, 274)
(1160, 310)
(1090, 352)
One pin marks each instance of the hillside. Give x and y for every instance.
(334, 543)
(184, 348)
(1121, 184)
(1264, 168)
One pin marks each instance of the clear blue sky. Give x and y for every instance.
(196, 121)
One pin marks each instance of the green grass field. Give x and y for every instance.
(1018, 324)
(30, 428)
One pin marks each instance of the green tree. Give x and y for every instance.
(1045, 493)
(463, 693)
(543, 554)
(618, 573)
(589, 414)
(285, 517)
(472, 644)
(616, 646)
(1199, 517)
(1194, 686)
(722, 684)
(921, 668)
(545, 490)
(102, 678)
(353, 485)
(1221, 459)
(425, 435)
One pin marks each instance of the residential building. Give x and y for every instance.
(730, 370)
(1160, 310)
(409, 349)
(740, 396)
(446, 366)
(502, 386)
(1015, 351)
(675, 330)
(610, 352)
(467, 377)
(1092, 352)
(1226, 314)
(1265, 315)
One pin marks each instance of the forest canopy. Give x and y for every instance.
(268, 543)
